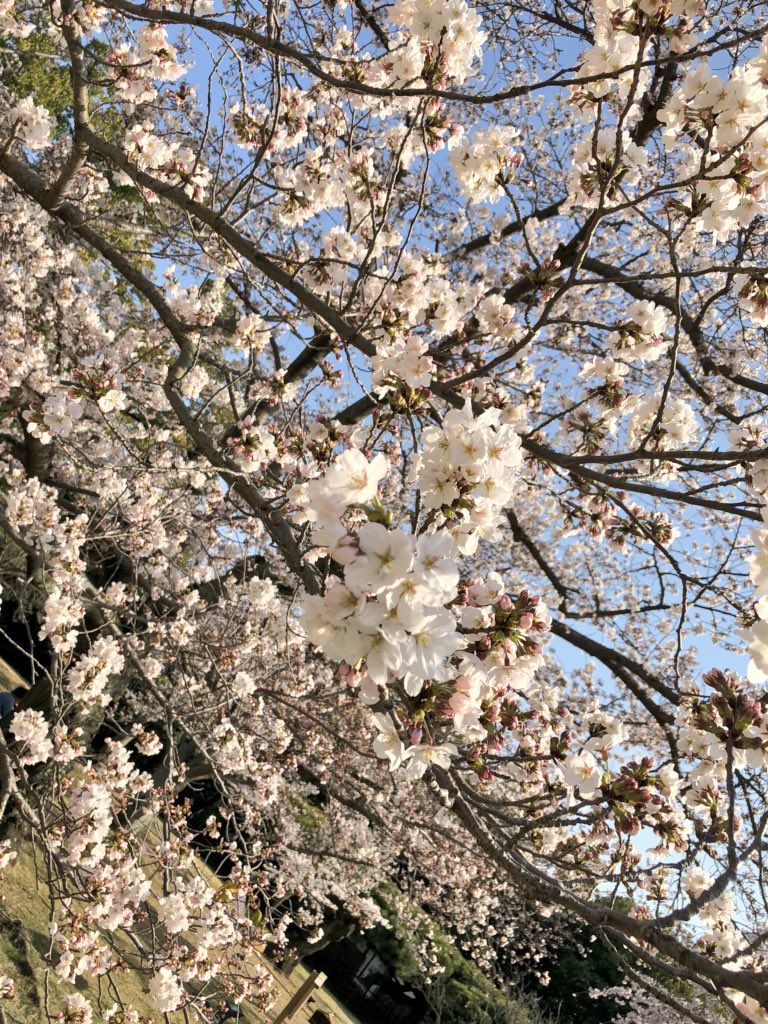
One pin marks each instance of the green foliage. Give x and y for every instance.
(460, 993)
(574, 968)
(309, 817)
(41, 76)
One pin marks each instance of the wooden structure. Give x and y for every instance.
(315, 981)
(366, 986)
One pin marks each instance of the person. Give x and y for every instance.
(231, 1011)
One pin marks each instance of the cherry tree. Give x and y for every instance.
(385, 457)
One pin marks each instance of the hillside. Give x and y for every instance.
(24, 917)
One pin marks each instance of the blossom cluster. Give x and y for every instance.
(726, 117)
(485, 163)
(449, 34)
(165, 158)
(137, 69)
(397, 615)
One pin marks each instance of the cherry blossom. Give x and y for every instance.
(385, 470)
